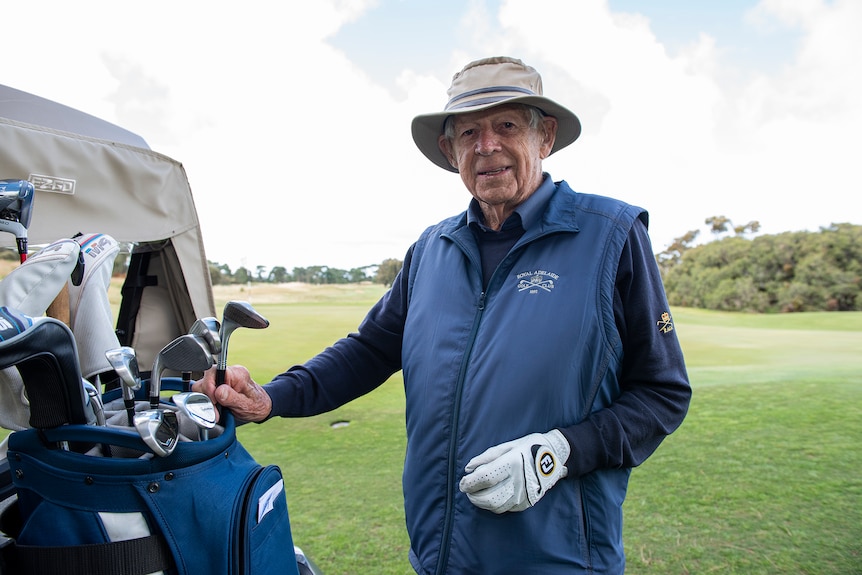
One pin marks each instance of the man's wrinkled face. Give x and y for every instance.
(499, 155)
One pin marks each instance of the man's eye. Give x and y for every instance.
(467, 133)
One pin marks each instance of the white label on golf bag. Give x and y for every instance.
(125, 526)
(265, 502)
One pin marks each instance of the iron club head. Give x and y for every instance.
(237, 314)
(94, 402)
(208, 328)
(197, 407)
(124, 361)
(160, 430)
(186, 353)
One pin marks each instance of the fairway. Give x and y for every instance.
(762, 477)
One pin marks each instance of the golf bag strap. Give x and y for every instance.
(137, 280)
(133, 557)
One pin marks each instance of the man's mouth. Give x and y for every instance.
(493, 172)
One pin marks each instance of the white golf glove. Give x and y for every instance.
(514, 475)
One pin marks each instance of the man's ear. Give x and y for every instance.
(446, 147)
(549, 124)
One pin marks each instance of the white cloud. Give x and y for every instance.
(296, 157)
(689, 136)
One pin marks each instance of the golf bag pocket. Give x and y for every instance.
(208, 507)
(264, 527)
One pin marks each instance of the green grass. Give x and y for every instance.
(763, 477)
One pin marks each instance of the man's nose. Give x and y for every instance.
(487, 143)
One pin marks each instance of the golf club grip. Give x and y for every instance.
(220, 376)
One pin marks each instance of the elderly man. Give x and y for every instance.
(539, 357)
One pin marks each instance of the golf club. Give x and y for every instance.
(236, 314)
(208, 329)
(186, 353)
(124, 360)
(160, 430)
(197, 407)
(16, 209)
(95, 404)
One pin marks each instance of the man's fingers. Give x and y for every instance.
(237, 384)
(227, 396)
(240, 394)
(488, 456)
(498, 499)
(486, 476)
(490, 487)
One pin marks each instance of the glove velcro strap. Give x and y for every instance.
(559, 452)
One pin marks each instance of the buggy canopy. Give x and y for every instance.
(93, 176)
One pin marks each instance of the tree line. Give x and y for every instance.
(786, 272)
(737, 270)
(383, 273)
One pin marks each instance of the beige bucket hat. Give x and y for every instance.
(487, 83)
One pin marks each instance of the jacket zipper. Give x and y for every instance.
(443, 558)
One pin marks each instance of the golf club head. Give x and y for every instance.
(124, 362)
(198, 407)
(208, 328)
(16, 209)
(186, 353)
(16, 201)
(237, 314)
(160, 430)
(94, 401)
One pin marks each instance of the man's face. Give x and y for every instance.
(498, 154)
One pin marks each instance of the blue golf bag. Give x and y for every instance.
(206, 508)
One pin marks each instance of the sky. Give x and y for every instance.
(292, 120)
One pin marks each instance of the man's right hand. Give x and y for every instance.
(246, 399)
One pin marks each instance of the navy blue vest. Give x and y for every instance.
(537, 350)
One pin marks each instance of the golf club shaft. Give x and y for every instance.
(130, 411)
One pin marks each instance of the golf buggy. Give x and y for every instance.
(101, 473)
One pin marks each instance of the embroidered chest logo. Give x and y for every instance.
(665, 324)
(537, 281)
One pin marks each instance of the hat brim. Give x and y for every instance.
(427, 128)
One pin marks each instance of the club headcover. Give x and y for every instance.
(44, 352)
(32, 287)
(92, 319)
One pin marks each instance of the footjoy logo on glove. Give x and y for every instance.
(547, 463)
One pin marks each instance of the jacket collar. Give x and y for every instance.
(553, 211)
